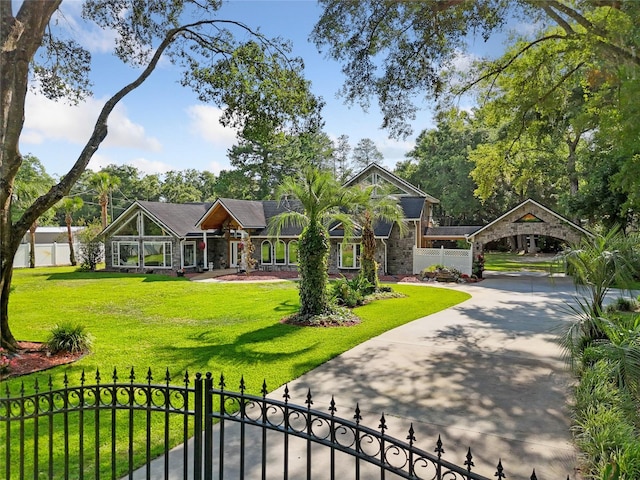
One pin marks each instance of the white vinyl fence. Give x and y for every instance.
(47, 254)
(459, 259)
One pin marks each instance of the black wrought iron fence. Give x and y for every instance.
(127, 429)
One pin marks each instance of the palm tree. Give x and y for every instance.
(601, 262)
(374, 205)
(597, 264)
(322, 201)
(69, 206)
(31, 181)
(104, 184)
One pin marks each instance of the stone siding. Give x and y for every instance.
(400, 251)
(550, 226)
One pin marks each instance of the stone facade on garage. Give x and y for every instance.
(400, 251)
(528, 218)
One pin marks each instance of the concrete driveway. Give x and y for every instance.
(486, 374)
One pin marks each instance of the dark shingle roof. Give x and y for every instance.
(249, 213)
(455, 231)
(180, 218)
(412, 206)
(275, 207)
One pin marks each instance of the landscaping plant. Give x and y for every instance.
(602, 346)
(70, 338)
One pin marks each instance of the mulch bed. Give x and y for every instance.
(32, 357)
(288, 275)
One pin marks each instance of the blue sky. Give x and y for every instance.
(162, 126)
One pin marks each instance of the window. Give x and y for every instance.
(157, 254)
(349, 255)
(293, 252)
(129, 229)
(265, 253)
(125, 254)
(151, 228)
(280, 253)
(189, 254)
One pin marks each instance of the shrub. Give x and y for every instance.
(69, 338)
(351, 293)
(91, 248)
(622, 304)
(606, 424)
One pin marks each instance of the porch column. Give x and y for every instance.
(532, 244)
(206, 247)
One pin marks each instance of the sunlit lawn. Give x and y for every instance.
(160, 322)
(512, 262)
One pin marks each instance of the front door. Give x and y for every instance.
(234, 254)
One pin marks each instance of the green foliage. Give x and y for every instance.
(322, 201)
(369, 206)
(91, 246)
(70, 338)
(243, 337)
(606, 425)
(603, 347)
(352, 292)
(32, 180)
(313, 251)
(622, 304)
(364, 153)
(439, 165)
(601, 262)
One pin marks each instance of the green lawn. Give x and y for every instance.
(161, 322)
(512, 262)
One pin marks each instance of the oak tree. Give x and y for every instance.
(223, 60)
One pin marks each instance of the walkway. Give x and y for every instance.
(485, 374)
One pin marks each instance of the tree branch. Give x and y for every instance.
(501, 68)
(558, 19)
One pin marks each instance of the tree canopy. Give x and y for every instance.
(252, 77)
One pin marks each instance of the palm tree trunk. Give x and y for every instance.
(72, 254)
(32, 245)
(369, 269)
(313, 250)
(104, 201)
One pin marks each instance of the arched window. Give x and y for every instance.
(265, 253)
(293, 252)
(280, 252)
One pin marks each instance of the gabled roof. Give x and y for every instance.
(248, 214)
(374, 168)
(533, 202)
(178, 219)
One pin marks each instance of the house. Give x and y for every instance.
(163, 237)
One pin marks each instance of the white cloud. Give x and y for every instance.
(463, 61)
(145, 166)
(205, 122)
(49, 120)
(92, 37)
(98, 162)
(215, 167)
(149, 167)
(394, 150)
